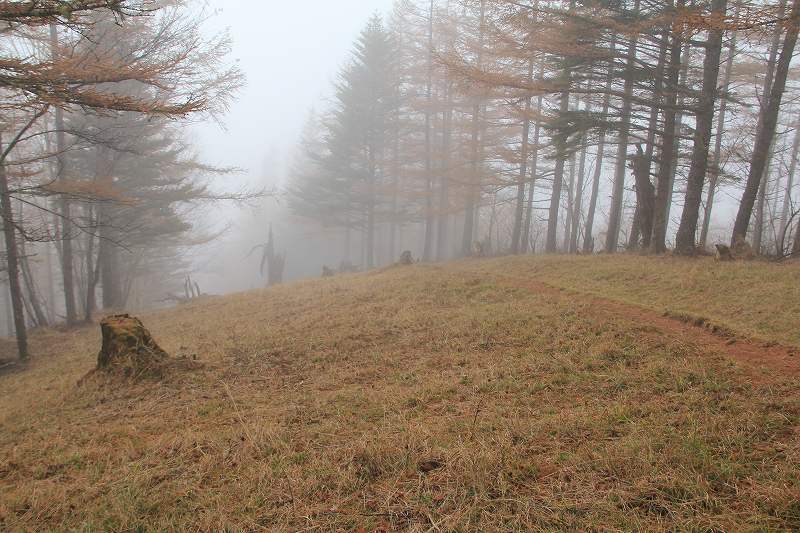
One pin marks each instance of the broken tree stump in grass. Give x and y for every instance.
(130, 352)
(128, 348)
(742, 250)
(724, 253)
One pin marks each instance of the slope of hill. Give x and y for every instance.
(752, 298)
(508, 394)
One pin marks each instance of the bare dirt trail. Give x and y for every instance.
(709, 340)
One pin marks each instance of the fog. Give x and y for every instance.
(290, 53)
(218, 146)
(399, 265)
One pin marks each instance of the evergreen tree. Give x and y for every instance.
(351, 169)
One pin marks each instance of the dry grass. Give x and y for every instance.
(319, 402)
(754, 298)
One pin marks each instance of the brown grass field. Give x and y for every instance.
(526, 394)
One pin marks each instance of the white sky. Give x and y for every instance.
(290, 51)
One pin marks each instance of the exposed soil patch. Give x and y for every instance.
(710, 338)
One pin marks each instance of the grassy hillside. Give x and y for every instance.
(758, 299)
(445, 398)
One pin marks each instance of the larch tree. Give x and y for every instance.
(37, 80)
(767, 125)
(566, 123)
(704, 118)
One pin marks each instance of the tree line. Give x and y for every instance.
(97, 181)
(461, 126)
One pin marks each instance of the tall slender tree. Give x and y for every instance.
(704, 117)
(767, 125)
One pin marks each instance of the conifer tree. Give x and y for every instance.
(347, 179)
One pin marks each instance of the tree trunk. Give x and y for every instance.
(615, 215)
(526, 232)
(716, 170)
(395, 187)
(51, 290)
(128, 348)
(645, 192)
(558, 178)
(363, 242)
(91, 287)
(66, 221)
(109, 267)
(470, 221)
(519, 210)
(761, 201)
(796, 246)
(444, 176)
(687, 232)
(348, 244)
(551, 245)
(766, 128)
(787, 199)
(429, 220)
(636, 229)
(12, 261)
(473, 188)
(642, 227)
(669, 145)
(578, 207)
(38, 314)
(647, 209)
(774, 194)
(684, 77)
(588, 238)
(370, 251)
(492, 225)
(758, 223)
(573, 168)
(30, 297)
(9, 312)
(92, 271)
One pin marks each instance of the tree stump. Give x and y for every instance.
(742, 249)
(129, 348)
(724, 253)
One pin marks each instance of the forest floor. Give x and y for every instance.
(515, 394)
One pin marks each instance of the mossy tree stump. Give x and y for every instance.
(128, 347)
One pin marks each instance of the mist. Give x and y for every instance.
(291, 54)
(399, 265)
(277, 141)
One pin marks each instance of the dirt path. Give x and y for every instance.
(709, 340)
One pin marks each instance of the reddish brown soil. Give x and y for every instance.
(757, 355)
